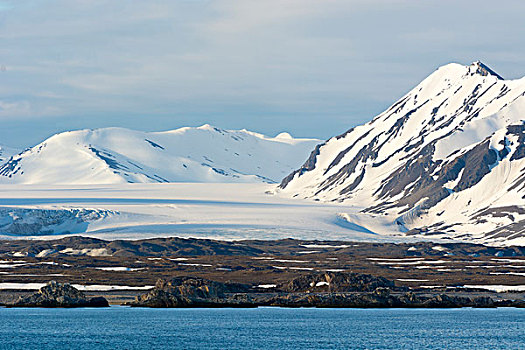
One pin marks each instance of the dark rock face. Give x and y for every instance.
(60, 295)
(10, 168)
(517, 130)
(307, 166)
(192, 292)
(418, 171)
(316, 290)
(383, 298)
(336, 282)
(482, 69)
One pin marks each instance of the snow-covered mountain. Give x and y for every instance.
(447, 160)
(116, 155)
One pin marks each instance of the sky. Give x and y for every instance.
(314, 68)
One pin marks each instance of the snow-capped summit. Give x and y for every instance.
(190, 154)
(447, 159)
(479, 67)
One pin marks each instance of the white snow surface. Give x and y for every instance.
(119, 268)
(498, 288)
(400, 166)
(189, 154)
(199, 210)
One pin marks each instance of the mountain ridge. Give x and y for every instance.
(188, 154)
(432, 149)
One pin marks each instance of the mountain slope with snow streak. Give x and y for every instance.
(447, 160)
(117, 155)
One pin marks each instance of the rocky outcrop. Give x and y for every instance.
(340, 291)
(380, 298)
(56, 294)
(336, 282)
(194, 292)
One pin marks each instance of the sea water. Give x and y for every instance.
(262, 328)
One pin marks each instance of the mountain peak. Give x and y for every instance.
(442, 160)
(480, 68)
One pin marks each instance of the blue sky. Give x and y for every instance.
(309, 67)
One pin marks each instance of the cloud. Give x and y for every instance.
(14, 109)
(314, 67)
(25, 109)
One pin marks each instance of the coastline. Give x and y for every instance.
(436, 275)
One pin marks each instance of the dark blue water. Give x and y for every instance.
(263, 328)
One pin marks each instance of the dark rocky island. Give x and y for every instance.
(56, 294)
(337, 290)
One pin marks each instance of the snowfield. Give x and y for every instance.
(197, 210)
(118, 155)
(200, 210)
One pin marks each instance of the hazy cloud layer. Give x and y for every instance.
(310, 67)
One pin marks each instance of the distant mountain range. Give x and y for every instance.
(117, 155)
(446, 160)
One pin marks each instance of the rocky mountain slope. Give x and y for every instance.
(116, 155)
(447, 160)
